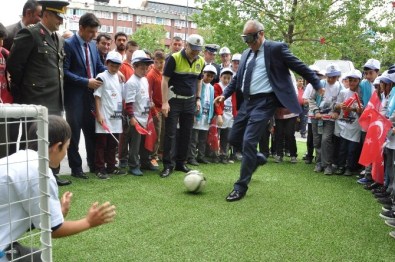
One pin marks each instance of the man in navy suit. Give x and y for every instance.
(265, 82)
(81, 65)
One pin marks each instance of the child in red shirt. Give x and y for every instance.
(154, 78)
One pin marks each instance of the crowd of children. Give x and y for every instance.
(343, 128)
(334, 133)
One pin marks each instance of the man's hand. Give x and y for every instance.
(65, 202)
(98, 215)
(94, 83)
(198, 105)
(318, 116)
(219, 99)
(165, 109)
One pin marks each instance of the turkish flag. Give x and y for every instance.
(140, 129)
(365, 118)
(372, 151)
(150, 138)
(378, 171)
(212, 138)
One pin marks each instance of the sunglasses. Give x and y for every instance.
(250, 38)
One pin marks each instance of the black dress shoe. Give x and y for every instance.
(182, 168)
(62, 182)
(79, 175)
(166, 172)
(235, 195)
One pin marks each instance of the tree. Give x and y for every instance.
(314, 29)
(150, 37)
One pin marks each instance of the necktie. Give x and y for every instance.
(88, 66)
(248, 75)
(54, 38)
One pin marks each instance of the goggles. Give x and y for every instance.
(250, 38)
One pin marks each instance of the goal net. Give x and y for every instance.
(24, 184)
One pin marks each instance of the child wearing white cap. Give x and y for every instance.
(197, 146)
(225, 56)
(225, 112)
(138, 104)
(323, 120)
(371, 71)
(108, 102)
(349, 128)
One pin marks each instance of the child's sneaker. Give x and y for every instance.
(294, 160)
(318, 168)
(102, 175)
(339, 171)
(392, 234)
(364, 181)
(135, 171)
(278, 159)
(347, 172)
(118, 172)
(328, 170)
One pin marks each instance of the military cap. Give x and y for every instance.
(57, 7)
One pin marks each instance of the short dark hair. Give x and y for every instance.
(3, 31)
(177, 38)
(105, 35)
(30, 4)
(160, 55)
(131, 43)
(120, 34)
(368, 68)
(89, 20)
(58, 131)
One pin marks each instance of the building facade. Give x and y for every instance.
(176, 19)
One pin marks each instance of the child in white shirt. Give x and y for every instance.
(138, 104)
(197, 146)
(108, 101)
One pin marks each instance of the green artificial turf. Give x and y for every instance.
(290, 213)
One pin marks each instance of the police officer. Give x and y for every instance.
(181, 85)
(36, 62)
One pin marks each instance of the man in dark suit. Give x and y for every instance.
(36, 64)
(265, 81)
(30, 16)
(81, 65)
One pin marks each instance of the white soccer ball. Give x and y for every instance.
(194, 181)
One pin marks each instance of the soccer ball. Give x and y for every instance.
(194, 181)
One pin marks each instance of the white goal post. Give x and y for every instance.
(24, 115)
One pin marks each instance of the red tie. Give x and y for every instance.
(88, 67)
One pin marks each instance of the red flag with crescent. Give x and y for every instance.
(372, 150)
(150, 138)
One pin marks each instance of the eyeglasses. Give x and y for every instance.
(250, 38)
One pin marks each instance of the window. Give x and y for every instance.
(159, 21)
(167, 35)
(182, 35)
(193, 25)
(124, 17)
(106, 29)
(102, 14)
(126, 30)
(179, 23)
